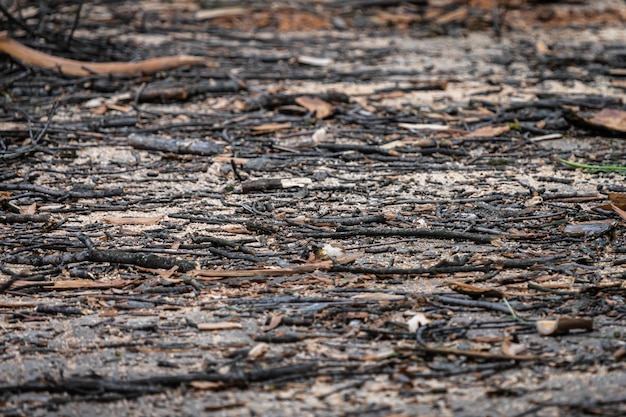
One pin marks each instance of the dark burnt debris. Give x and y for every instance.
(365, 208)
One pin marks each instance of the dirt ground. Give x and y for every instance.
(357, 208)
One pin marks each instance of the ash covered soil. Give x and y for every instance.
(349, 208)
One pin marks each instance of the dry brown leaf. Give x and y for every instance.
(474, 291)
(30, 209)
(608, 121)
(163, 273)
(348, 259)
(297, 20)
(144, 221)
(512, 349)
(611, 119)
(99, 110)
(228, 159)
(619, 211)
(274, 323)
(488, 131)
(167, 273)
(618, 199)
(121, 109)
(223, 325)
(321, 108)
(235, 229)
(384, 18)
(34, 58)
(270, 127)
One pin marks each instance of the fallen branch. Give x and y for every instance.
(113, 256)
(212, 274)
(90, 385)
(32, 57)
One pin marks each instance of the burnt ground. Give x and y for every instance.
(354, 208)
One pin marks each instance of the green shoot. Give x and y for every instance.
(597, 168)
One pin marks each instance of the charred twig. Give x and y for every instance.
(179, 146)
(450, 269)
(147, 260)
(423, 233)
(59, 309)
(24, 218)
(351, 221)
(59, 193)
(87, 385)
(474, 303)
(114, 256)
(276, 100)
(75, 24)
(223, 242)
(13, 277)
(366, 149)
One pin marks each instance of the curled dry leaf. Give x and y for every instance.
(274, 323)
(563, 325)
(34, 58)
(321, 108)
(510, 348)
